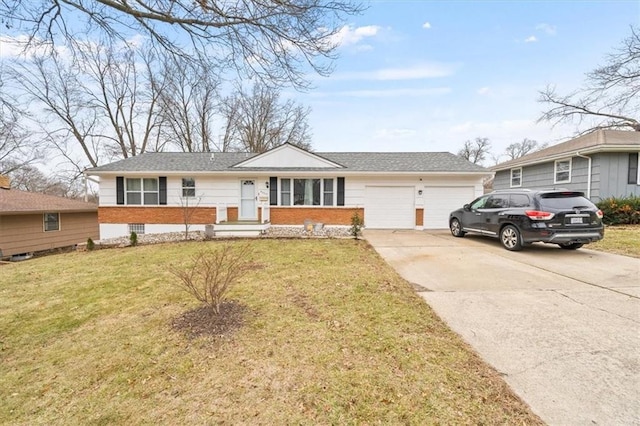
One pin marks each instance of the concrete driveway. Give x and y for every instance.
(563, 327)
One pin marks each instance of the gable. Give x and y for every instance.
(288, 156)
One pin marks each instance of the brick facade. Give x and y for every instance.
(326, 215)
(419, 217)
(157, 215)
(207, 215)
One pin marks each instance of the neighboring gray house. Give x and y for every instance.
(601, 164)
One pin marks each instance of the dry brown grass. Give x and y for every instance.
(331, 335)
(622, 239)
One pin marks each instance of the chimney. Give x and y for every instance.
(5, 182)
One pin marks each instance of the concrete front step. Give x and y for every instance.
(239, 229)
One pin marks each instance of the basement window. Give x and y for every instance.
(51, 222)
(138, 228)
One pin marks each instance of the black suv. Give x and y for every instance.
(520, 217)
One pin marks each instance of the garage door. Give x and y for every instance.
(389, 207)
(442, 200)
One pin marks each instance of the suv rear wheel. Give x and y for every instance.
(510, 238)
(456, 228)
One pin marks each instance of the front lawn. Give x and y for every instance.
(331, 335)
(620, 239)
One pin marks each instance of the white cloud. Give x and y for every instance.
(426, 25)
(416, 72)
(348, 35)
(483, 91)
(546, 28)
(530, 39)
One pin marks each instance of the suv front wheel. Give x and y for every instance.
(510, 238)
(456, 228)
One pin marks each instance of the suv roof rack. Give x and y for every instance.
(513, 190)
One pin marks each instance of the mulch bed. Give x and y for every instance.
(203, 322)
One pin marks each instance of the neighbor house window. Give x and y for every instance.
(142, 191)
(51, 222)
(562, 171)
(634, 169)
(188, 187)
(138, 228)
(516, 177)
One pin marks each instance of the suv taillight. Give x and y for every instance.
(539, 215)
(599, 214)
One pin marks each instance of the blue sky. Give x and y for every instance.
(429, 75)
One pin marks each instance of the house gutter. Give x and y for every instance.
(589, 175)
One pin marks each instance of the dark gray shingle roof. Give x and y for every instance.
(352, 161)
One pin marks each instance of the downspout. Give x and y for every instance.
(589, 174)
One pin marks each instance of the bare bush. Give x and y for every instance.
(211, 273)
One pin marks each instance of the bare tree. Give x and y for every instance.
(259, 121)
(475, 151)
(189, 204)
(100, 104)
(520, 149)
(17, 149)
(273, 39)
(68, 116)
(189, 102)
(121, 86)
(610, 98)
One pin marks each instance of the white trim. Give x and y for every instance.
(555, 170)
(511, 185)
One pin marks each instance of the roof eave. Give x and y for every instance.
(573, 153)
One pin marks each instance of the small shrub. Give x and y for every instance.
(211, 273)
(90, 244)
(356, 225)
(621, 211)
(133, 238)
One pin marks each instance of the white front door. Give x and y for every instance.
(248, 200)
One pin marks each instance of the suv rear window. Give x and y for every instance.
(564, 201)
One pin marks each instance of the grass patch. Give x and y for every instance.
(622, 239)
(330, 335)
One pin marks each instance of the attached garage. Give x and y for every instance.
(439, 201)
(390, 207)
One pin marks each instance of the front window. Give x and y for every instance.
(516, 177)
(306, 192)
(285, 192)
(142, 191)
(188, 187)
(328, 192)
(562, 171)
(51, 222)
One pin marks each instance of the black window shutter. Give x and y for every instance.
(340, 199)
(119, 190)
(633, 169)
(273, 191)
(162, 185)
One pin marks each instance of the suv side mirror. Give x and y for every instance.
(466, 207)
